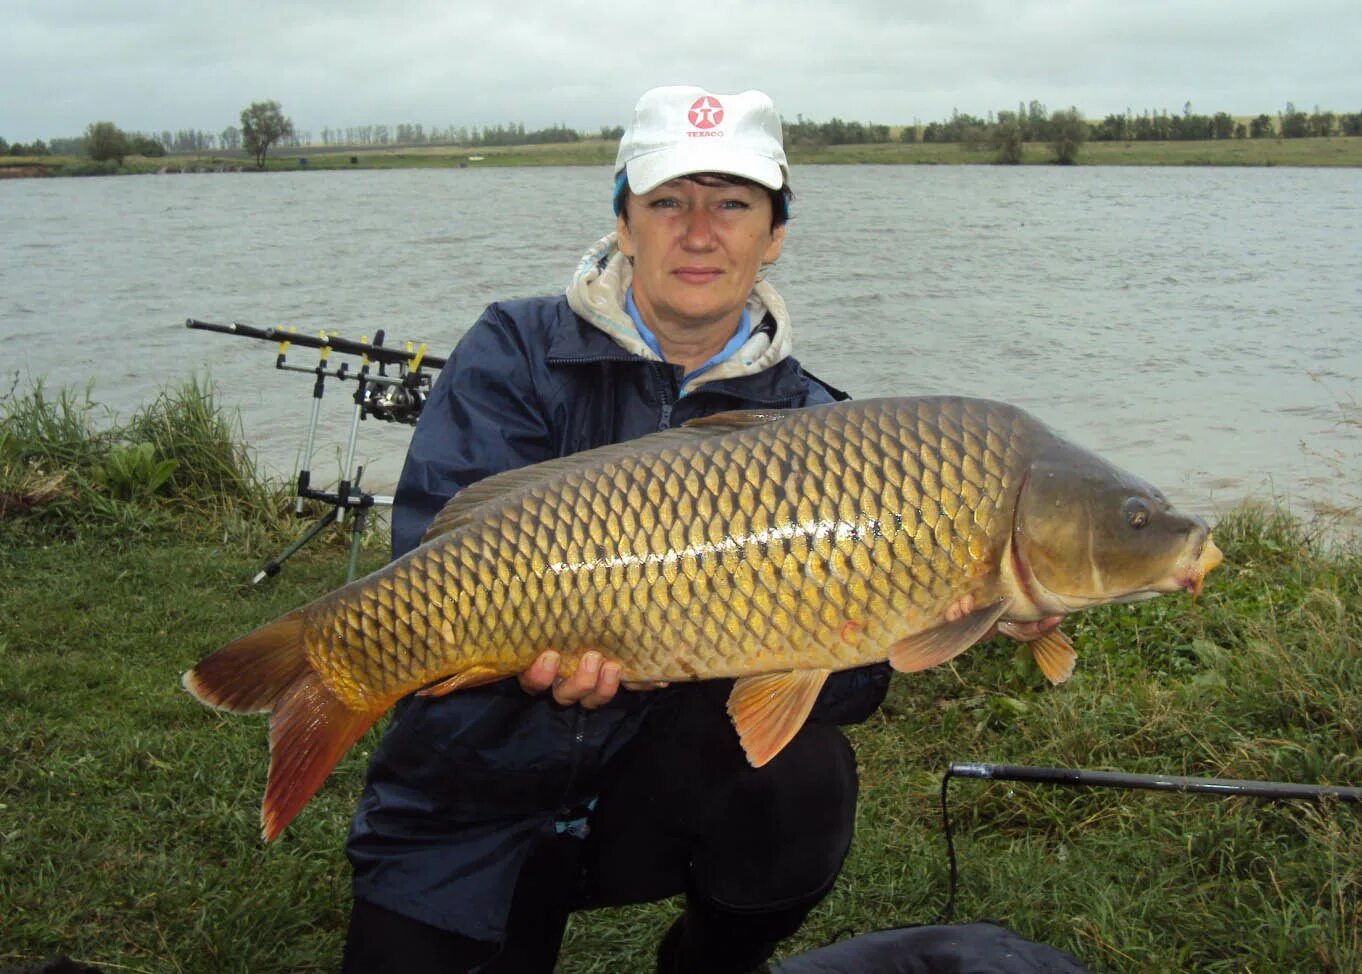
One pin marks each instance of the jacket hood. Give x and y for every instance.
(597, 295)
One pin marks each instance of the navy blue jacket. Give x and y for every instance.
(461, 785)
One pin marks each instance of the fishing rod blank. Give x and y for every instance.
(1223, 787)
(389, 356)
(1080, 778)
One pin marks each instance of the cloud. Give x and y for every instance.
(151, 65)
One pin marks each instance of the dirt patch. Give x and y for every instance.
(30, 491)
(22, 172)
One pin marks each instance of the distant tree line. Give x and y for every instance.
(36, 148)
(183, 142)
(1163, 127)
(803, 133)
(1008, 131)
(1034, 124)
(408, 133)
(1005, 130)
(1029, 123)
(517, 135)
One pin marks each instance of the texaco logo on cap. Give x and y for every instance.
(706, 112)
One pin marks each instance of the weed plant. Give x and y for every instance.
(129, 812)
(71, 467)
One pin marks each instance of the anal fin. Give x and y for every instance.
(1054, 654)
(942, 643)
(769, 710)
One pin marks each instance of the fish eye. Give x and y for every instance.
(1137, 512)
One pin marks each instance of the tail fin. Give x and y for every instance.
(249, 675)
(310, 728)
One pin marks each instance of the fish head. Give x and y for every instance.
(1086, 532)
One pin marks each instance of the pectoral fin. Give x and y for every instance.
(474, 676)
(941, 643)
(768, 710)
(1054, 654)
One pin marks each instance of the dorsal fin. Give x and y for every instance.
(460, 508)
(464, 505)
(736, 419)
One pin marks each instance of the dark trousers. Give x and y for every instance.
(679, 811)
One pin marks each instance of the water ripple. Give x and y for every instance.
(1196, 324)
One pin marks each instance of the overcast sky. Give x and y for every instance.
(152, 65)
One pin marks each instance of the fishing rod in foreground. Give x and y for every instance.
(394, 397)
(1079, 778)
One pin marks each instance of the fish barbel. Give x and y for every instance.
(776, 547)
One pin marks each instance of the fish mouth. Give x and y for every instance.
(1207, 560)
(1189, 575)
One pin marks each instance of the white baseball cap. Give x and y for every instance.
(681, 129)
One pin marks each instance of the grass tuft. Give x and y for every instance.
(72, 467)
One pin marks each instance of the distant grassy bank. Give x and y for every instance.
(1333, 151)
(128, 812)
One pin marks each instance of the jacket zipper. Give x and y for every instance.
(664, 419)
(563, 824)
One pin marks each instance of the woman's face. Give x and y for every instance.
(697, 244)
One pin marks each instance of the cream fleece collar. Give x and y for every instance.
(597, 294)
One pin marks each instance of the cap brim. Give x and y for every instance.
(651, 170)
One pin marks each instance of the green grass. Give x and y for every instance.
(1333, 151)
(178, 463)
(1223, 152)
(128, 812)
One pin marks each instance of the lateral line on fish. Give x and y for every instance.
(836, 531)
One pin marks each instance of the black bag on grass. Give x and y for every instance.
(968, 948)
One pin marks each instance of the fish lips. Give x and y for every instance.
(1208, 557)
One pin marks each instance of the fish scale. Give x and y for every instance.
(773, 547)
(777, 537)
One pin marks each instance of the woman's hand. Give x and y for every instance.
(593, 684)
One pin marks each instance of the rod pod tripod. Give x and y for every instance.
(348, 495)
(392, 398)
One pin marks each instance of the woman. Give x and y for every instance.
(490, 814)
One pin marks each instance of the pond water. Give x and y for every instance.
(1196, 326)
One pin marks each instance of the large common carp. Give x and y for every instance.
(772, 546)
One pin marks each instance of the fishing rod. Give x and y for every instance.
(396, 397)
(376, 351)
(393, 398)
(1080, 778)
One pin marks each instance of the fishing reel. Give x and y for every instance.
(400, 403)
